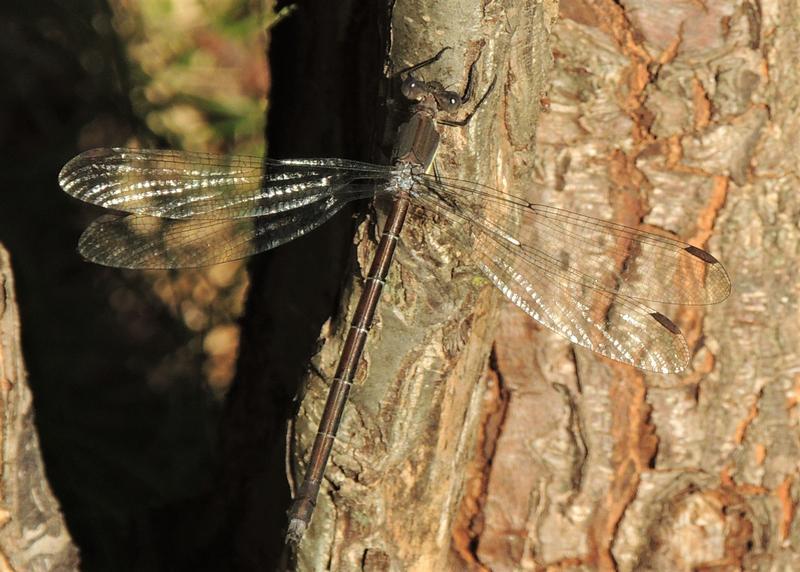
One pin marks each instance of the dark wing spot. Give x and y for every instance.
(666, 322)
(701, 254)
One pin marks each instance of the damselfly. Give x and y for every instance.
(584, 278)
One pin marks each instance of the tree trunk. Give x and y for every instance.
(398, 471)
(34, 535)
(676, 116)
(681, 115)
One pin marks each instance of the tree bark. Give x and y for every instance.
(676, 116)
(398, 471)
(681, 115)
(33, 535)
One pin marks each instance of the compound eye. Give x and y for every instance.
(448, 101)
(413, 88)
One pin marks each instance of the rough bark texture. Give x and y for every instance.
(682, 115)
(33, 535)
(397, 474)
(675, 115)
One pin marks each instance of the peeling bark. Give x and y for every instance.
(674, 116)
(33, 534)
(678, 115)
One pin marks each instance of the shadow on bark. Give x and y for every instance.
(326, 62)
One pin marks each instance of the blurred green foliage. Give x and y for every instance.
(198, 72)
(121, 362)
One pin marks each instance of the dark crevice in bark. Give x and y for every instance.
(325, 61)
(492, 428)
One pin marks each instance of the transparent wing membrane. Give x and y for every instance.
(614, 326)
(180, 184)
(582, 277)
(141, 241)
(598, 254)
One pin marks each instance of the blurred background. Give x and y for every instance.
(128, 369)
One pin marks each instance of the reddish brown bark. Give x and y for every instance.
(679, 114)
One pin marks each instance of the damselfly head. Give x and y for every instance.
(448, 101)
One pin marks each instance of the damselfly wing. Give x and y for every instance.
(586, 279)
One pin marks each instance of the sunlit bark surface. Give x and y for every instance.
(477, 440)
(682, 115)
(398, 474)
(33, 535)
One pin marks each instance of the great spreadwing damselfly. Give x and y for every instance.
(584, 278)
